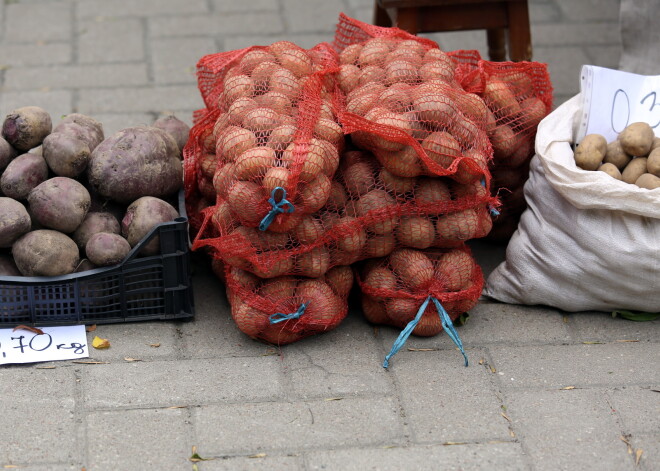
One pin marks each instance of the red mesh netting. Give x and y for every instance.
(518, 96)
(285, 309)
(394, 288)
(403, 103)
(368, 213)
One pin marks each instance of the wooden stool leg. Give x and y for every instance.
(520, 38)
(407, 19)
(496, 44)
(381, 18)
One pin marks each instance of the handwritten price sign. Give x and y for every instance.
(56, 343)
(613, 99)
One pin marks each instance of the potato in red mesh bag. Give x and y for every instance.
(421, 292)
(402, 103)
(285, 309)
(368, 214)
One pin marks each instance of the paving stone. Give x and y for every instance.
(26, 22)
(568, 430)
(575, 33)
(311, 16)
(229, 6)
(174, 60)
(444, 401)
(639, 409)
(56, 102)
(346, 361)
(38, 53)
(461, 40)
(306, 41)
(649, 444)
(487, 456)
(118, 8)
(110, 40)
(564, 65)
(169, 383)
(214, 333)
(223, 24)
(558, 366)
(601, 326)
(265, 463)
(159, 437)
(32, 466)
(605, 56)
(590, 10)
(118, 121)
(139, 100)
(251, 428)
(499, 323)
(76, 76)
(47, 394)
(133, 340)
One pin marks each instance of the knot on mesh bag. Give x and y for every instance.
(279, 317)
(491, 209)
(277, 208)
(447, 325)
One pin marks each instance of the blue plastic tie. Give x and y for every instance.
(447, 324)
(493, 212)
(278, 207)
(279, 317)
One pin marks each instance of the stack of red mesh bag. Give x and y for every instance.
(423, 160)
(518, 96)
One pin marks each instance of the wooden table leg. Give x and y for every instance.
(520, 37)
(496, 44)
(408, 19)
(381, 18)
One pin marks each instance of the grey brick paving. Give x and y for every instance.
(324, 402)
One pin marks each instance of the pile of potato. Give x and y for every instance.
(633, 157)
(72, 200)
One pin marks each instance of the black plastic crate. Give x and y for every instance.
(157, 287)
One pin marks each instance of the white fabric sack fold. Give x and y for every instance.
(586, 241)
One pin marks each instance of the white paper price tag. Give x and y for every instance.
(612, 99)
(56, 343)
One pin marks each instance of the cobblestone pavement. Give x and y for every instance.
(545, 390)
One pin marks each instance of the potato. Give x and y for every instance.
(416, 232)
(648, 181)
(135, 162)
(308, 230)
(403, 163)
(314, 263)
(442, 148)
(636, 139)
(315, 194)
(380, 278)
(93, 223)
(7, 154)
(358, 178)
(273, 265)
(45, 252)
(106, 248)
(653, 162)
(254, 163)
(175, 128)
(413, 268)
(591, 152)
(455, 270)
(67, 156)
(60, 203)
(281, 137)
(379, 245)
(457, 227)
(533, 111)
(324, 307)
(432, 191)
(635, 169)
(278, 289)
(611, 170)
(142, 215)
(14, 221)
(25, 128)
(394, 183)
(349, 236)
(500, 99)
(340, 279)
(23, 174)
(378, 200)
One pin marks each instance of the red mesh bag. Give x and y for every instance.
(403, 103)
(269, 132)
(396, 291)
(285, 309)
(518, 96)
(368, 214)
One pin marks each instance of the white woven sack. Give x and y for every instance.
(586, 241)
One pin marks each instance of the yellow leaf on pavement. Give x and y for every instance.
(100, 343)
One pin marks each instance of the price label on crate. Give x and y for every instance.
(613, 99)
(56, 343)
